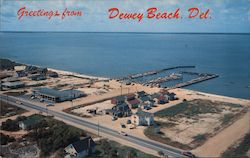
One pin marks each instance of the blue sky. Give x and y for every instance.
(227, 16)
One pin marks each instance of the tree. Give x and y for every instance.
(131, 154)
(161, 153)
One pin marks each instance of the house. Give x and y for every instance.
(172, 96)
(19, 68)
(121, 110)
(81, 148)
(130, 97)
(52, 74)
(142, 118)
(10, 79)
(141, 94)
(162, 100)
(134, 103)
(12, 85)
(118, 100)
(30, 121)
(37, 77)
(57, 95)
(145, 98)
(154, 96)
(20, 73)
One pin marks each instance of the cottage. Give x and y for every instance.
(134, 103)
(141, 94)
(145, 98)
(142, 118)
(172, 96)
(12, 85)
(19, 68)
(162, 100)
(37, 77)
(118, 100)
(30, 121)
(10, 79)
(130, 97)
(56, 95)
(20, 73)
(52, 74)
(81, 148)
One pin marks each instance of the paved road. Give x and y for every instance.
(145, 143)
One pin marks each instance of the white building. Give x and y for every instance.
(142, 118)
(81, 148)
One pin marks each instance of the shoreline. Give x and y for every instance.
(64, 72)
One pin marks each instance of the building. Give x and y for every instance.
(30, 121)
(142, 118)
(19, 68)
(12, 85)
(118, 100)
(81, 148)
(141, 94)
(10, 79)
(57, 95)
(37, 77)
(162, 100)
(172, 96)
(134, 103)
(120, 110)
(130, 97)
(52, 74)
(20, 73)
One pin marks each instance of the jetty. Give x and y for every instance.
(152, 72)
(173, 76)
(202, 77)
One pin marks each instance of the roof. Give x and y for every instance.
(10, 79)
(11, 84)
(132, 95)
(120, 98)
(33, 119)
(56, 93)
(83, 144)
(155, 95)
(145, 98)
(134, 102)
(143, 113)
(141, 93)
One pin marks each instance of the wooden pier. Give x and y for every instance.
(203, 77)
(152, 72)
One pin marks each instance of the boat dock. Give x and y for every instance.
(152, 72)
(201, 78)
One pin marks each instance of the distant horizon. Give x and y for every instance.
(240, 33)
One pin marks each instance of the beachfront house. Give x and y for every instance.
(141, 94)
(12, 85)
(20, 73)
(142, 118)
(37, 77)
(162, 100)
(81, 148)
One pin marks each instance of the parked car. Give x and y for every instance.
(50, 104)
(188, 154)
(19, 102)
(123, 133)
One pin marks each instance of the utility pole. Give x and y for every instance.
(98, 128)
(121, 88)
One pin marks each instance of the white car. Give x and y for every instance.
(123, 133)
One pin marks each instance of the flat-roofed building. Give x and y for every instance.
(57, 95)
(12, 85)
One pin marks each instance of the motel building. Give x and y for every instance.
(56, 95)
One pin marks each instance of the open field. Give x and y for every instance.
(8, 110)
(191, 123)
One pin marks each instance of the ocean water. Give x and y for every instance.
(120, 54)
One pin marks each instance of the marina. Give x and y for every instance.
(169, 78)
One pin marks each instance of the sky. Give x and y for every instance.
(227, 16)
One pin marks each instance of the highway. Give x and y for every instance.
(170, 151)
